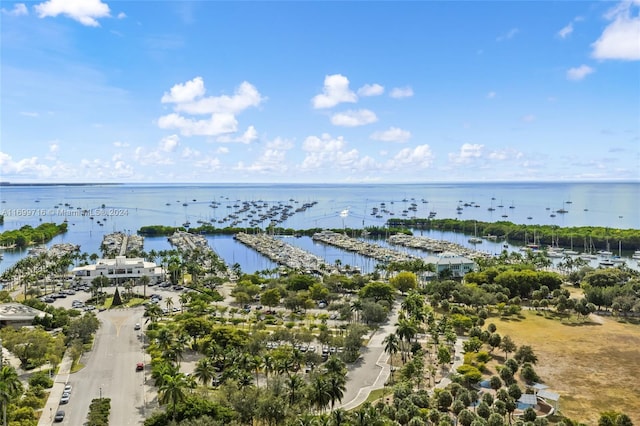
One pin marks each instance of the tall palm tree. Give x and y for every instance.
(10, 387)
(144, 280)
(391, 347)
(294, 384)
(205, 371)
(318, 392)
(337, 385)
(172, 390)
(406, 331)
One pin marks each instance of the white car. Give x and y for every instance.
(137, 326)
(67, 388)
(66, 396)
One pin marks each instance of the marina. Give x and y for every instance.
(126, 208)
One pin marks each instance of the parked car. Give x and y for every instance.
(137, 326)
(66, 396)
(67, 388)
(140, 366)
(59, 416)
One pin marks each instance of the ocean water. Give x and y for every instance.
(128, 207)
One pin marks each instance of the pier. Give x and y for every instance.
(119, 244)
(185, 241)
(363, 248)
(285, 254)
(434, 246)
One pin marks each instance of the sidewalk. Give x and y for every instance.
(374, 361)
(61, 379)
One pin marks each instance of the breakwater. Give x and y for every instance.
(363, 248)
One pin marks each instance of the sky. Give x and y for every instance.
(319, 91)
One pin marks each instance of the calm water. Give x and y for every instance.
(128, 207)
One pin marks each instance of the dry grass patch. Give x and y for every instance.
(592, 366)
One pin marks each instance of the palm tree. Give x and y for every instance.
(391, 347)
(10, 387)
(205, 371)
(169, 303)
(172, 390)
(144, 280)
(319, 395)
(406, 331)
(267, 364)
(294, 384)
(337, 385)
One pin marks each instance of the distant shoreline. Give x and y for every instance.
(59, 184)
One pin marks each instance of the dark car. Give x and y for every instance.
(59, 416)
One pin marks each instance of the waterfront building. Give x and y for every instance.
(119, 270)
(458, 265)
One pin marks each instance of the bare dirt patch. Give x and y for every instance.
(593, 366)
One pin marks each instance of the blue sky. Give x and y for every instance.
(162, 91)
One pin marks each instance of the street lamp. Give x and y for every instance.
(100, 393)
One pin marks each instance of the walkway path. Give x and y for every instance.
(55, 392)
(371, 371)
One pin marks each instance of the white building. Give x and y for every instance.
(457, 264)
(120, 270)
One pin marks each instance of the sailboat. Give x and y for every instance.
(571, 252)
(475, 239)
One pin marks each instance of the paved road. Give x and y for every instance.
(109, 371)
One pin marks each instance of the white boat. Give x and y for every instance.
(475, 239)
(636, 255)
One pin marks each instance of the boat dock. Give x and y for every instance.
(55, 251)
(363, 248)
(119, 244)
(285, 254)
(186, 241)
(434, 246)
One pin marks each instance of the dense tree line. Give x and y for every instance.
(28, 235)
(582, 236)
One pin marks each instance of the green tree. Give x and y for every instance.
(507, 345)
(404, 281)
(10, 388)
(172, 390)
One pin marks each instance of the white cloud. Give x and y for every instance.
(354, 118)
(272, 159)
(324, 143)
(189, 98)
(83, 11)
(54, 147)
(578, 73)
(218, 124)
(401, 92)
(185, 92)
(393, 134)
(328, 152)
(621, 38)
(529, 118)
(565, 31)
(190, 154)
(508, 35)
(468, 153)
(29, 114)
(371, 90)
(250, 135)
(119, 144)
(161, 154)
(419, 157)
(222, 150)
(26, 167)
(491, 95)
(121, 15)
(336, 90)
(19, 9)
(169, 143)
